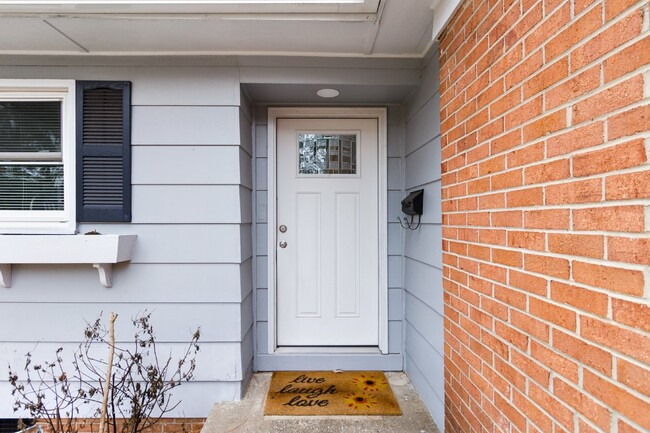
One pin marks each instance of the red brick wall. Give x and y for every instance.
(546, 199)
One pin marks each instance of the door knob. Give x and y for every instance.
(283, 228)
(283, 244)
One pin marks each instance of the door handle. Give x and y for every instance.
(283, 244)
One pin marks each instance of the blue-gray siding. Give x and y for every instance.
(424, 350)
(192, 262)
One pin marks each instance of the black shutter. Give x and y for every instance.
(103, 151)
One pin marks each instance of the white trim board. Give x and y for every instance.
(380, 114)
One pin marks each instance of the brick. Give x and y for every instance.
(624, 427)
(577, 245)
(627, 186)
(531, 369)
(492, 237)
(546, 125)
(608, 100)
(527, 240)
(625, 155)
(524, 113)
(510, 297)
(490, 130)
(477, 120)
(551, 266)
(532, 412)
(551, 25)
(626, 281)
(558, 363)
(547, 219)
(582, 403)
(553, 313)
(579, 30)
(505, 142)
(629, 122)
(586, 191)
(525, 197)
(629, 250)
(492, 201)
(517, 379)
(478, 218)
(547, 172)
(633, 314)
(618, 399)
(533, 15)
(526, 155)
(515, 417)
(631, 343)
(510, 218)
(635, 376)
(608, 40)
(573, 88)
(551, 405)
(505, 102)
(583, 352)
(629, 59)
(547, 77)
(506, 180)
(494, 309)
(525, 69)
(615, 7)
(527, 282)
(492, 165)
(507, 257)
(504, 23)
(581, 298)
(478, 186)
(491, 93)
(506, 62)
(612, 218)
(583, 137)
(530, 325)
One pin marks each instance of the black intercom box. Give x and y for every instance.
(412, 204)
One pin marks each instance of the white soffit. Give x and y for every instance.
(189, 6)
(347, 28)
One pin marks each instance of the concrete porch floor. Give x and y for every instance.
(246, 416)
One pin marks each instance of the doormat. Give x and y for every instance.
(330, 393)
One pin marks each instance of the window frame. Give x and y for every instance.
(47, 222)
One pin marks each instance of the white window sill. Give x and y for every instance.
(99, 250)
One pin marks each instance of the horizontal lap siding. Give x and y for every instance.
(191, 211)
(423, 247)
(546, 198)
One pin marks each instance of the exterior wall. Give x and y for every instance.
(423, 292)
(546, 199)
(191, 211)
(395, 300)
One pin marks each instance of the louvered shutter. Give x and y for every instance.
(103, 151)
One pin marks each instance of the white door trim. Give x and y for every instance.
(328, 112)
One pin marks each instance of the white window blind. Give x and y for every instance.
(31, 161)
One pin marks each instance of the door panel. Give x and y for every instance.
(327, 259)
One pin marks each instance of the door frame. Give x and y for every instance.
(379, 113)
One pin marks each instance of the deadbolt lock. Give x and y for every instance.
(283, 228)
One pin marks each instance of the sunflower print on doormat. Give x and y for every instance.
(329, 393)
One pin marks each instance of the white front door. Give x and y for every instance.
(327, 232)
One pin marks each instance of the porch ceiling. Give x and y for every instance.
(356, 28)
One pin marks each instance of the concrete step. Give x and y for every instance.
(246, 416)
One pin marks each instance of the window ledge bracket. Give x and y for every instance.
(102, 251)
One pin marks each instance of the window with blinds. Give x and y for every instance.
(65, 154)
(31, 158)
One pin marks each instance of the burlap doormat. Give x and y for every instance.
(330, 393)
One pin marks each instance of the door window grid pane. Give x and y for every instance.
(327, 153)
